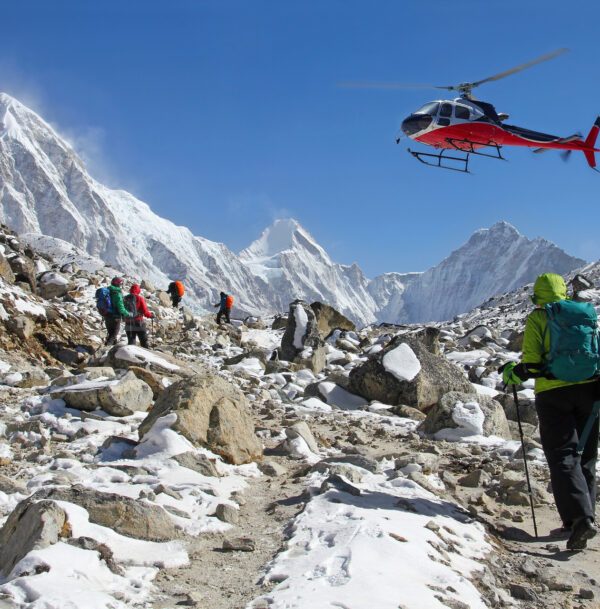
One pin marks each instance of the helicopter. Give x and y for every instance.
(467, 126)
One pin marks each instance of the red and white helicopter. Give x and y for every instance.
(470, 126)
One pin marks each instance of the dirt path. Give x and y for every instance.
(565, 573)
(230, 579)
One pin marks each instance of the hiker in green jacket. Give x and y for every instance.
(118, 311)
(563, 410)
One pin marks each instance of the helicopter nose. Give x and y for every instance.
(415, 123)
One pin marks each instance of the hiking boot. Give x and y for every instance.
(583, 530)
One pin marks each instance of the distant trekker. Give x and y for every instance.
(109, 302)
(225, 305)
(135, 326)
(176, 290)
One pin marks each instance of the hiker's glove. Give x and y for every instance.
(511, 374)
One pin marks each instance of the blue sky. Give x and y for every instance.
(225, 115)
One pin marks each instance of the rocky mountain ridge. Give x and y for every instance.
(46, 189)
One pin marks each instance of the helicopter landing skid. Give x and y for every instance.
(424, 157)
(468, 147)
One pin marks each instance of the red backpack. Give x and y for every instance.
(229, 302)
(179, 287)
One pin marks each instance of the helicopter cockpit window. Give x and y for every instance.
(446, 110)
(431, 108)
(461, 112)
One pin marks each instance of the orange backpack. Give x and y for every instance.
(179, 287)
(229, 302)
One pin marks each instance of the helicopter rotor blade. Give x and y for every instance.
(521, 67)
(357, 84)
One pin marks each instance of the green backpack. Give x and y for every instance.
(574, 353)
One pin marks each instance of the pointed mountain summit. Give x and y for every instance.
(493, 261)
(294, 265)
(284, 234)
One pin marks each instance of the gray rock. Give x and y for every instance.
(198, 463)
(526, 408)
(227, 513)
(5, 271)
(301, 429)
(24, 270)
(119, 398)
(30, 526)
(440, 416)
(130, 517)
(475, 479)
(22, 326)
(367, 463)
(95, 372)
(211, 412)
(9, 485)
(239, 544)
(436, 377)
(428, 462)
(53, 285)
(328, 319)
(307, 348)
(155, 361)
(272, 469)
(522, 593)
(408, 412)
(164, 299)
(33, 378)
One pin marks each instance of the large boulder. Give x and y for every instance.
(130, 517)
(121, 397)
(407, 372)
(211, 412)
(30, 526)
(469, 414)
(53, 285)
(5, 271)
(156, 361)
(328, 319)
(24, 270)
(301, 342)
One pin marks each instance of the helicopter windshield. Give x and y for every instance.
(431, 108)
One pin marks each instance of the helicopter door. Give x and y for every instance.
(444, 115)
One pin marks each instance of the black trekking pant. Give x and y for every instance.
(140, 333)
(175, 299)
(562, 414)
(222, 312)
(113, 329)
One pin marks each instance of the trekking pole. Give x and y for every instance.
(152, 335)
(515, 397)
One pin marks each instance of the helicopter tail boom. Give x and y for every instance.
(590, 143)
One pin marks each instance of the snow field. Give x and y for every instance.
(395, 545)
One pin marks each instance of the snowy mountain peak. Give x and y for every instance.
(283, 235)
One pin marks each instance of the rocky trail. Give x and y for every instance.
(284, 463)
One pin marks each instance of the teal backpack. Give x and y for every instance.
(574, 352)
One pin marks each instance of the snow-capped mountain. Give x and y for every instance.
(493, 261)
(294, 265)
(45, 189)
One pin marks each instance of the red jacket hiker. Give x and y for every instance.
(134, 325)
(140, 303)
